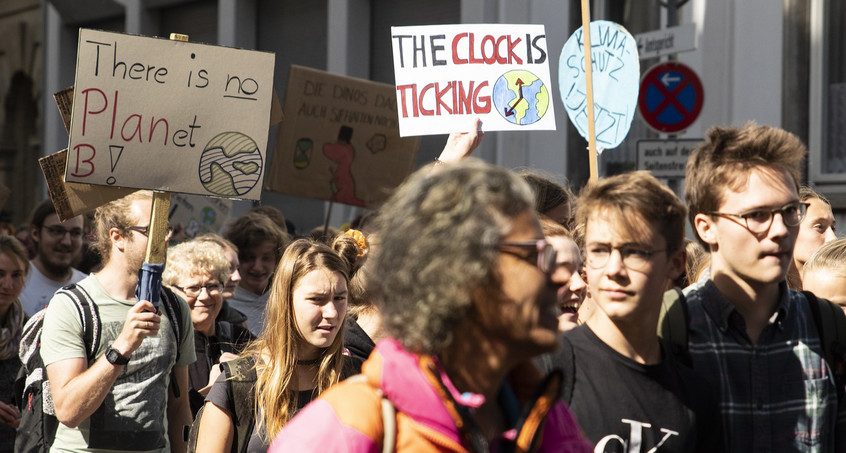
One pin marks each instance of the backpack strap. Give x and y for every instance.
(241, 376)
(389, 414)
(530, 426)
(89, 314)
(389, 425)
(673, 325)
(170, 303)
(831, 326)
(174, 313)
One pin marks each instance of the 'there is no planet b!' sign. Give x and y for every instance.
(152, 113)
(446, 75)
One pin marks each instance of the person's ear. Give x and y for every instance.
(118, 238)
(706, 229)
(35, 233)
(677, 262)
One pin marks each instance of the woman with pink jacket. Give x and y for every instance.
(461, 276)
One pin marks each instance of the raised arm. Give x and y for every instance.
(460, 145)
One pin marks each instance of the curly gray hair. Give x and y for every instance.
(438, 243)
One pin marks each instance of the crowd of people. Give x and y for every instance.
(478, 309)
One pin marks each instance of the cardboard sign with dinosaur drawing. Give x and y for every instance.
(340, 140)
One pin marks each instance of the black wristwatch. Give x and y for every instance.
(114, 357)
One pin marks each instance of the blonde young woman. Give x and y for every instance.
(298, 355)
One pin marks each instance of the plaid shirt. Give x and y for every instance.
(775, 396)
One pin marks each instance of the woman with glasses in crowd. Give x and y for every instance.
(197, 270)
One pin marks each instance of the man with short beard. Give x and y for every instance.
(133, 395)
(57, 245)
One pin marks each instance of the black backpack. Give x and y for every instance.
(240, 375)
(38, 425)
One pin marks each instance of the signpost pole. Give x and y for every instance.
(589, 90)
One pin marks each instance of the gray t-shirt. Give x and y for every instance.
(133, 416)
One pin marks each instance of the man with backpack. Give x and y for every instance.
(132, 395)
(752, 337)
(625, 388)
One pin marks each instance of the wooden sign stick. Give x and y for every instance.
(589, 90)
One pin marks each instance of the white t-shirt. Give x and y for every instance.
(251, 305)
(39, 289)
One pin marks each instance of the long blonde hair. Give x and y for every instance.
(276, 349)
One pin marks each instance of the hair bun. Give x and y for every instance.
(360, 240)
(348, 248)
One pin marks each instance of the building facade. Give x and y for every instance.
(778, 63)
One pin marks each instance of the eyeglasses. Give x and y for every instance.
(58, 232)
(759, 220)
(633, 258)
(541, 254)
(145, 230)
(194, 291)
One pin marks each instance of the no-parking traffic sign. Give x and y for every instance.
(671, 97)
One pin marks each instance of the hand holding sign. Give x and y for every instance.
(616, 73)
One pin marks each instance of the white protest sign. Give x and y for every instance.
(616, 75)
(446, 75)
(174, 116)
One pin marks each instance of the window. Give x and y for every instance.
(827, 138)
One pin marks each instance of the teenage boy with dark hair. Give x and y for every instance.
(749, 335)
(627, 391)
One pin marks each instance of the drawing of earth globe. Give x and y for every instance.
(520, 97)
(230, 165)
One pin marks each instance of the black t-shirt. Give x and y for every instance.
(221, 395)
(626, 406)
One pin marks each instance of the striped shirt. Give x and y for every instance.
(775, 396)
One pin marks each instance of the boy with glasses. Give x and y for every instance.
(628, 393)
(750, 336)
(57, 245)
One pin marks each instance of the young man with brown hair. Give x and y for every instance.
(628, 391)
(132, 394)
(57, 245)
(754, 339)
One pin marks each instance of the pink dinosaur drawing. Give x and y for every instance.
(343, 154)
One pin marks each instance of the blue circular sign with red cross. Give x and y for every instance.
(671, 97)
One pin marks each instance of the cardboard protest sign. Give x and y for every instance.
(339, 140)
(616, 75)
(198, 214)
(446, 75)
(72, 199)
(168, 115)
